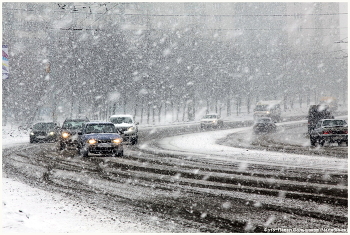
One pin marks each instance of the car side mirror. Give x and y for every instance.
(80, 132)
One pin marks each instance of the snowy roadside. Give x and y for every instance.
(30, 210)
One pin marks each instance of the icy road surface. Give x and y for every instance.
(30, 210)
(27, 209)
(204, 144)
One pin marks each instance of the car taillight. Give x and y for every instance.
(326, 132)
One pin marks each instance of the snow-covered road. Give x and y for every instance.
(204, 144)
(30, 210)
(27, 209)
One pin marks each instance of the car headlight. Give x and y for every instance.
(31, 133)
(51, 133)
(117, 141)
(65, 135)
(92, 141)
(132, 128)
(214, 121)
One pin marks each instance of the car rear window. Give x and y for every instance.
(334, 123)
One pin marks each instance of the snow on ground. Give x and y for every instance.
(204, 144)
(30, 210)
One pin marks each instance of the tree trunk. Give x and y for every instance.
(208, 107)
(159, 111)
(177, 112)
(248, 104)
(148, 112)
(141, 111)
(184, 112)
(228, 107)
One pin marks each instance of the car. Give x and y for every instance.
(316, 113)
(69, 132)
(268, 108)
(127, 127)
(211, 120)
(44, 131)
(264, 125)
(100, 138)
(331, 131)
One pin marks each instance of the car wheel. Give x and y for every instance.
(62, 146)
(134, 141)
(321, 142)
(78, 149)
(31, 140)
(85, 153)
(312, 141)
(121, 153)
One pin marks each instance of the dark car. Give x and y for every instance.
(69, 132)
(316, 113)
(264, 125)
(331, 131)
(100, 138)
(44, 131)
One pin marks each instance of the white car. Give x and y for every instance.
(211, 120)
(126, 125)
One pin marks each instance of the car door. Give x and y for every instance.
(81, 135)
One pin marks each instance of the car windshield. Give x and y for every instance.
(261, 107)
(44, 126)
(334, 123)
(119, 120)
(264, 120)
(73, 124)
(100, 128)
(209, 116)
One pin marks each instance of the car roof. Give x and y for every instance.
(76, 119)
(268, 102)
(45, 122)
(103, 123)
(55, 123)
(121, 115)
(264, 118)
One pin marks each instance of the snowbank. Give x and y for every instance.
(29, 210)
